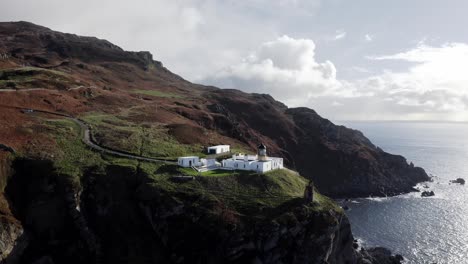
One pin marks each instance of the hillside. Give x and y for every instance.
(63, 202)
(131, 97)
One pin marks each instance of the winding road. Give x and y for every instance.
(88, 140)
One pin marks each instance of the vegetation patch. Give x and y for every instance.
(72, 156)
(32, 77)
(248, 193)
(143, 139)
(156, 93)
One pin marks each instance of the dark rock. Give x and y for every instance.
(182, 178)
(427, 193)
(6, 148)
(346, 208)
(459, 181)
(379, 255)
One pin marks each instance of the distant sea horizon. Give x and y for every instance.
(423, 230)
(340, 122)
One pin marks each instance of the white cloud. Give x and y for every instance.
(340, 35)
(285, 66)
(369, 38)
(287, 69)
(434, 88)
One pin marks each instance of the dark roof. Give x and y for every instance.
(261, 146)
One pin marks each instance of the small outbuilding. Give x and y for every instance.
(219, 149)
(189, 161)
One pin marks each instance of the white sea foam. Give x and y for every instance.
(377, 199)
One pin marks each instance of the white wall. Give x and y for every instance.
(276, 163)
(188, 161)
(210, 162)
(220, 149)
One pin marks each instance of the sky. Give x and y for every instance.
(348, 60)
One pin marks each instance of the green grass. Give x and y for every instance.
(145, 139)
(32, 77)
(248, 193)
(158, 94)
(72, 155)
(211, 173)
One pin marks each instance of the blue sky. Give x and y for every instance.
(349, 60)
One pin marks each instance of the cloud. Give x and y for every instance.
(434, 87)
(369, 38)
(287, 69)
(340, 35)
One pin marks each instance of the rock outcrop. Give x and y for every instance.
(427, 194)
(460, 181)
(11, 230)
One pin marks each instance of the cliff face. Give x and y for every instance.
(341, 161)
(147, 218)
(120, 216)
(11, 229)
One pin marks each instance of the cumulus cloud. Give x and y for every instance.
(287, 69)
(435, 87)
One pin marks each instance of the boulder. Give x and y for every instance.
(427, 193)
(459, 181)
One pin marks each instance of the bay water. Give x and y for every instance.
(423, 230)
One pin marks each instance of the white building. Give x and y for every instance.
(194, 161)
(260, 163)
(191, 161)
(219, 149)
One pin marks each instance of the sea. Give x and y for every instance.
(423, 230)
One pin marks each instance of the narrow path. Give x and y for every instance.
(22, 90)
(44, 89)
(88, 139)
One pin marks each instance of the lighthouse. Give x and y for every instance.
(262, 153)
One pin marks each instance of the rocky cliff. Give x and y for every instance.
(120, 215)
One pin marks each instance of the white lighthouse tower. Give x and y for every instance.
(262, 153)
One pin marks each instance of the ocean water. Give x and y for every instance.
(423, 230)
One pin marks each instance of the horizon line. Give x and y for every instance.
(404, 121)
